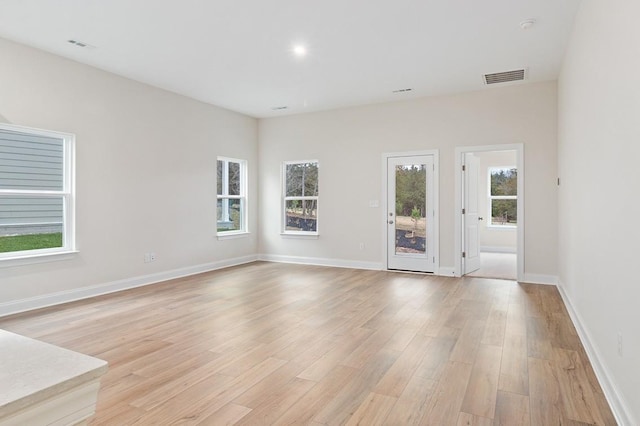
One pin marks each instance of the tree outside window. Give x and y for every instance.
(503, 196)
(300, 197)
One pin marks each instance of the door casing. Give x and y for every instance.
(459, 194)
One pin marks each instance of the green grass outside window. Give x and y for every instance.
(30, 242)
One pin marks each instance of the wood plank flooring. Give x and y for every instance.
(267, 343)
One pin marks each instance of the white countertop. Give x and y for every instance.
(32, 371)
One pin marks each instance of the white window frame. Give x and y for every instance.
(288, 232)
(68, 196)
(490, 198)
(225, 197)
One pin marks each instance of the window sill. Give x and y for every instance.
(502, 227)
(300, 235)
(30, 259)
(232, 235)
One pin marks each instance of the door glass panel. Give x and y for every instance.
(411, 208)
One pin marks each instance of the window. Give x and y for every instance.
(503, 196)
(300, 197)
(232, 196)
(36, 192)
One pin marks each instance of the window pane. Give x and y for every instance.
(294, 180)
(30, 223)
(219, 178)
(504, 181)
(311, 180)
(302, 180)
(30, 162)
(504, 212)
(229, 215)
(301, 215)
(234, 178)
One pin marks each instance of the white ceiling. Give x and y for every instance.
(237, 53)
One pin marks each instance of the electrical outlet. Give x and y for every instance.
(361, 246)
(619, 343)
(149, 257)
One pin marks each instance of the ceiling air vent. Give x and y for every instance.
(504, 77)
(80, 44)
(77, 43)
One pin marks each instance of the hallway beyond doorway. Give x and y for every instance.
(497, 265)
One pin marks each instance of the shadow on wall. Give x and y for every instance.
(3, 120)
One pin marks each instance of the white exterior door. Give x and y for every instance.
(471, 215)
(410, 213)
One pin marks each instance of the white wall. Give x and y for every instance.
(146, 163)
(349, 144)
(599, 148)
(492, 238)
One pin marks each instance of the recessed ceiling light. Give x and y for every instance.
(299, 50)
(527, 23)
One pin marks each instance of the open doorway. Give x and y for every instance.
(490, 192)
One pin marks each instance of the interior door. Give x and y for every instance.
(471, 215)
(410, 213)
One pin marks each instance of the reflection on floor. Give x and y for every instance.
(497, 265)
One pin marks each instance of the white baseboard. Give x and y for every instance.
(492, 249)
(540, 279)
(446, 271)
(319, 261)
(22, 305)
(620, 408)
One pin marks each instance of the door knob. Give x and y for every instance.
(480, 218)
(390, 222)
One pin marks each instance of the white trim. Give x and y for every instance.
(436, 202)
(319, 261)
(340, 263)
(446, 271)
(539, 279)
(38, 258)
(302, 235)
(497, 249)
(22, 305)
(232, 235)
(501, 228)
(458, 182)
(620, 408)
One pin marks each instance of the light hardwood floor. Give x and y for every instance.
(270, 343)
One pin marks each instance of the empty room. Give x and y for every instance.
(319, 213)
